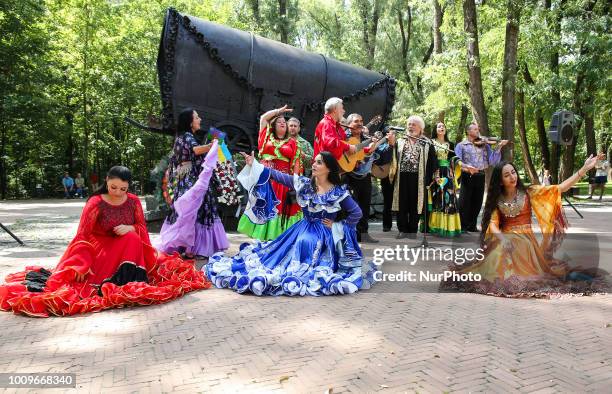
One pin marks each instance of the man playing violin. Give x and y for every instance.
(476, 156)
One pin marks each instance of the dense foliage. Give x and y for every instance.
(71, 70)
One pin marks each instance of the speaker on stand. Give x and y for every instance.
(561, 132)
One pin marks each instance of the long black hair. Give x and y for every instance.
(332, 165)
(185, 119)
(496, 188)
(116, 172)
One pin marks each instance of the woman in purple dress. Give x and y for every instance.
(193, 226)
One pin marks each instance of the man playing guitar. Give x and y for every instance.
(360, 184)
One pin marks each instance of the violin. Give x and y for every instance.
(482, 140)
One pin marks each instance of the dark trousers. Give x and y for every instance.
(387, 192)
(407, 216)
(361, 189)
(470, 199)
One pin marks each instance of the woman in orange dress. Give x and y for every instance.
(515, 263)
(279, 152)
(110, 263)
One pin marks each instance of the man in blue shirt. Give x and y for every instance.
(68, 184)
(475, 160)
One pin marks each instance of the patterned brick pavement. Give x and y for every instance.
(407, 339)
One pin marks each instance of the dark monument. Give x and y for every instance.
(231, 77)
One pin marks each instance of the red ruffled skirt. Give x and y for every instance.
(98, 259)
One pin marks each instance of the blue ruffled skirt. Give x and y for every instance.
(302, 261)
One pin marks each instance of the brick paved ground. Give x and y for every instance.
(394, 338)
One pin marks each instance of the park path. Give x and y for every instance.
(393, 338)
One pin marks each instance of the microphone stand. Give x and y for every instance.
(11, 234)
(428, 142)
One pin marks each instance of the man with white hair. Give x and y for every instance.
(329, 135)
(412, 170)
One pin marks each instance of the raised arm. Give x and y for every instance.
(280, 177)
(571, 181)
(267, 116)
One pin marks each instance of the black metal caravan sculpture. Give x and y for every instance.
(231, 77)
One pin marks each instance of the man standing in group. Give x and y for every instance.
(475, 159)
(412, 172)
(360, 184)
(294, 128)
(329, 135)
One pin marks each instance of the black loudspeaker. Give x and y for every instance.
(562, 128)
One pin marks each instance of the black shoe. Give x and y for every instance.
(386, 229)
(366, 238)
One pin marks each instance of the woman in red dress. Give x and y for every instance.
(109, 263)
(279, 152)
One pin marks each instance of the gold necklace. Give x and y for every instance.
(513, 208)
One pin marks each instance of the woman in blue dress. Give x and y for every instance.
(319, 255)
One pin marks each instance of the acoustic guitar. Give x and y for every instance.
(347, 161)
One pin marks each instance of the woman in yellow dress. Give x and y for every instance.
(515, 263)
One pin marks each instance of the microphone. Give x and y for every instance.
(395, 128)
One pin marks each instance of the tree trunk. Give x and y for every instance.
(437, 22)
(583, 99)
(405, 33)
(3, 169)
(589, 127)
(255, 10)
(419, 94)
(282, 13)
(85, 76)
(70, 147)
(473, 65)
(437, 39)
(567, 163)
(542, 136)
(533, 174)
(556, 95)
(509, 75)
(543, 139)
(462, 123)
(374, 31)
(370, 15)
